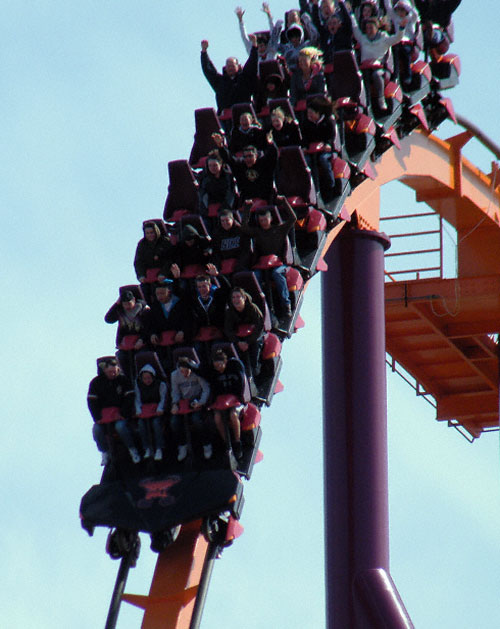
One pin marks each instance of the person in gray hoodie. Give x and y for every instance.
(188, 386)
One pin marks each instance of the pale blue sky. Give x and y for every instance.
(95, 99)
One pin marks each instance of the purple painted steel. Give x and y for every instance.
(378, 600)
(355, 430)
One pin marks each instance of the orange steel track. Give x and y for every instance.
(437, 329)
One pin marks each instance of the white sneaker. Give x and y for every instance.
(134, 455)
(182, 453)
(207, 451)
(382, 105)
(105, 458)
(147, 453)
(158, 454)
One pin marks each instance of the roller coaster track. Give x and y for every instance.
(439, 330)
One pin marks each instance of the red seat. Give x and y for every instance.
(148, 410)
(208, 333)
(168, 338)
(248, 281)
(268, 262)
(294, 176)
(182, 190)
(110, 414)
(228, 265)
(128, 342)
(241, 108)
(184, 407)
(224, 402)
(152, 275)
(206, 123)
(250, 417)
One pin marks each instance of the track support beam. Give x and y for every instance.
(360, 591)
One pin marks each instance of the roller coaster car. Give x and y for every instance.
(162, 501)
(206, 123)
(445, 70)
(156, 497)
(182, 197)
(357, 127)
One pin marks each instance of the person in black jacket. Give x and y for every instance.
(154, 251)
(227, 377)
(285, 130)
(308, 77)
(110, 392)
(168, 314)
(208, 304)
(437, 26)
(216, 184)
(131, 314)
(193, 249)
(235, 84)
(319, 129)
(230, 243)
(337, 35)
(243, 313)
(271, 239)
(255, 171)
(249, 132)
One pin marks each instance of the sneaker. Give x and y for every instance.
(158, 454)
(147, 453)
(134, 455)
(207, 450)
(382, 105)
(105, 458)
(182, 453)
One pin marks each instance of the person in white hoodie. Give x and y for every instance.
(267, 47)
(374, 44)
(403, 11)
(151, 391)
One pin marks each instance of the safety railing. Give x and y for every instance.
(408, 251)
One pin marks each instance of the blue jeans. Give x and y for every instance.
(123, 429)
(146, 434)
(278, 276)
(322, 173)
(179, 423)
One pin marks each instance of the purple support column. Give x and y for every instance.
(360, 592)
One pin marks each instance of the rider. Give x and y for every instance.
(111, 393)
